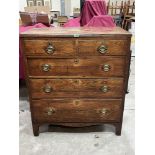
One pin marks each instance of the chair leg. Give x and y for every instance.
(125, 25)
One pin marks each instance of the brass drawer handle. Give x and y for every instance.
(50, 111)
(50, 49)
(104, 89)
(103, 111)
(106, 67)
(47, 89)
(102, 49)
(46, 67)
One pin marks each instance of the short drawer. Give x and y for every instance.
(65, 88)
(47, 47)
(76, 110)
(82, 67)
(102, 47)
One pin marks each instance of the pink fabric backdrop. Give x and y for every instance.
(75, 22)
(92, 8)
(94, 14)
(96, 21)
(22, 29)
(101, 21)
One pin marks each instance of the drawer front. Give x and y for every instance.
(65, 88)
(103, 47)
(76, 110)
(82, 67)
(51, 48)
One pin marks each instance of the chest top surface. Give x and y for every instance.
(74, 32)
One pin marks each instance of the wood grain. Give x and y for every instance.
(39, 46)
(90, 47)
(76, 110)
(72, 32)
(82, 67)
(76, 75)
(65, 88)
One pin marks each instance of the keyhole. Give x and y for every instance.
(76, 61)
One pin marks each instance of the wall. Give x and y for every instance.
(56, 6)
(70, 4)
(68, 7)
(22, 4)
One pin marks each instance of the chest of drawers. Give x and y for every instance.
(76, 76)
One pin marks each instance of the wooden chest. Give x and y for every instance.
(76, 76)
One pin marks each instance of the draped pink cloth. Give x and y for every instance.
(22, 29)
(94, 14)
(101, 21)
(75, 22)
(96, 21)
(92, 8)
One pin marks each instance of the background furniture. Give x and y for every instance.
(121, 12)
(116, 11)
(26, 18)
(76, 12)
(20, 22)
(38, 9)
(77, 76)
(62, 20)
(31, 3)
(29, 19)
(43, 18)
(55, 15)
(38, 14)
(129, 14)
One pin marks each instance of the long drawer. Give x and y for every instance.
(81, 67)
(65, 88)
(76, 110)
